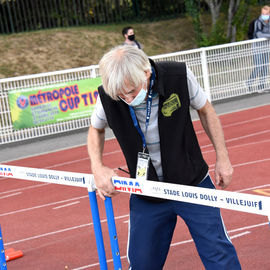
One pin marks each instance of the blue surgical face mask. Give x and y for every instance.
(139, 99)
(265, 17)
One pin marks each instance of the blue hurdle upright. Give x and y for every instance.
(98, 232)
(3, 263)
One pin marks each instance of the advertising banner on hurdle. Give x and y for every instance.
(48, 176)
(64, 101)
(210, 197)
(249, 203)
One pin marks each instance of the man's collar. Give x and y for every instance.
(159, 83)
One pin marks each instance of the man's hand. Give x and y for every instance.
(102, 174)
(103, 181)
(213, 128)
(223, 173)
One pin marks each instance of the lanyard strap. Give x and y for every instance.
(148, 111)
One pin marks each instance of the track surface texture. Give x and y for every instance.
(53, 227)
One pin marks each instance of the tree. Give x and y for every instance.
(193, 10)
(238, 19)
(222, 30)
(214, 6)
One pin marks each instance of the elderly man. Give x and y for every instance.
(146, 104)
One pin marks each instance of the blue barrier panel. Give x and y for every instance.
(3, 264)
(113, 234)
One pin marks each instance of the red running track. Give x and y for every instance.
(52, 224)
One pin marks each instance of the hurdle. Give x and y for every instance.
(249, 203)
(77, 180)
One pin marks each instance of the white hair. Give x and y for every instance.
(121, 65)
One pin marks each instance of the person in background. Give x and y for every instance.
(147, 105)
(261, 53)
(129, 35)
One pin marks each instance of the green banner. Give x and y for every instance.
(52, 104)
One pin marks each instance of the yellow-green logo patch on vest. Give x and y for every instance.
(170, 105)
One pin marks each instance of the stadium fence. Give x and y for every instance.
(224, 71)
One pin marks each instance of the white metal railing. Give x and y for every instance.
(224, 71)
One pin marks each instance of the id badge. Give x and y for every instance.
(142, 166)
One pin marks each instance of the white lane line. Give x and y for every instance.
(96, 264)
(242, 164)
(41, 206)
(241, 137)
(72, 162)
(191, 240)
(249, 227)
(239, 234)
(116, 218)
(47, 234)
(181, 243)
(53, 151)
(118, 151)
(82, 159)
(10, 195)
(66, 205)
(252, 188)
(251, 162)
(239, 145)
(24, 188)
(238, 123)
(177, 244)
(60, 231)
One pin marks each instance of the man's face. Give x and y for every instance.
(131, 92)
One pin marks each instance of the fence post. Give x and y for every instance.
(205, 74)
(3, 263)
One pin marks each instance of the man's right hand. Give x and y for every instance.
(103, 181)
(102, 174)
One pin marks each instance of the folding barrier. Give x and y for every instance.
(77, 180)
(255, 204)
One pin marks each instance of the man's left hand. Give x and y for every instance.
(223, 173)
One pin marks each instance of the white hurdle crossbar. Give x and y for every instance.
(248, 203)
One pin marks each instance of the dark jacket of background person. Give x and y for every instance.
(261, 29)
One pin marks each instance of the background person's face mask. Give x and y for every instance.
(131, 37)
(265, 17)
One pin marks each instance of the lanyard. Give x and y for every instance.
(148, 111)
